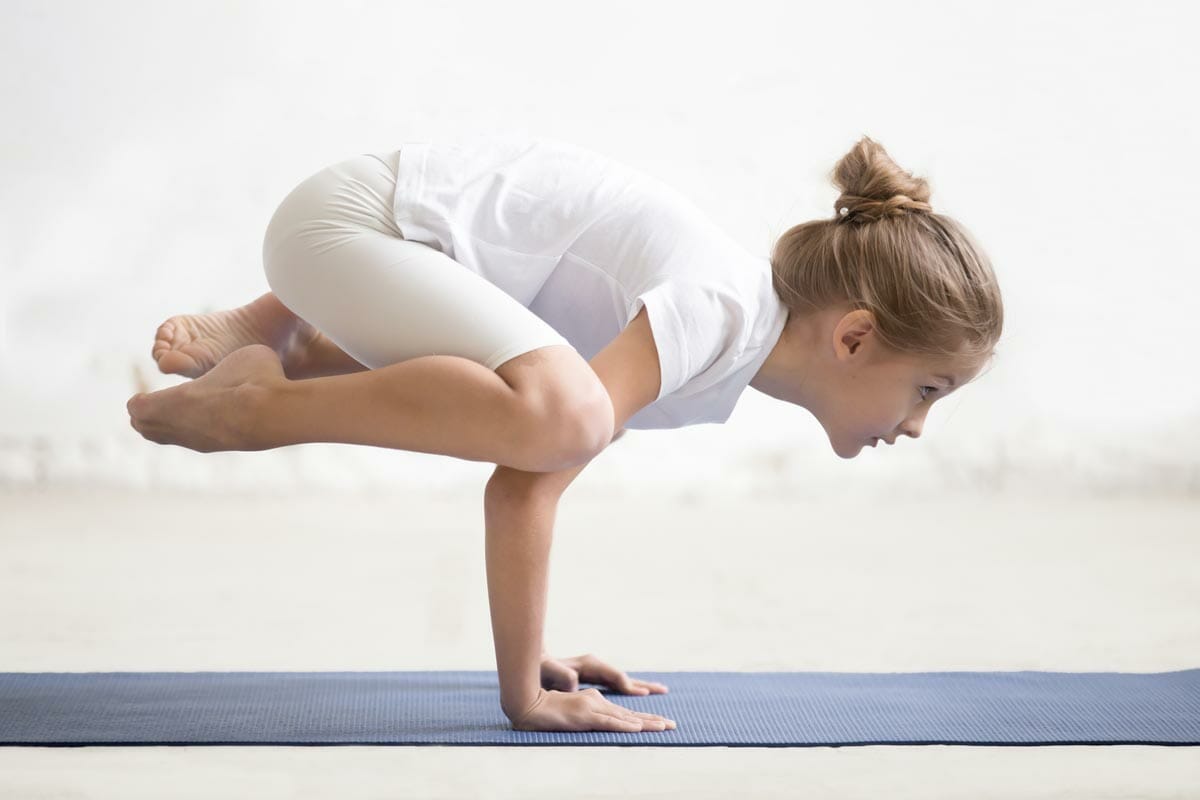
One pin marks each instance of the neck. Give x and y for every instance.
(784, 373)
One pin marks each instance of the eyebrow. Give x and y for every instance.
(948, 379)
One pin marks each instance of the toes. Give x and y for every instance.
(135, 404)
(150, 414)
(141, 410)
(137, 407)
(176, 362)
(164, 338)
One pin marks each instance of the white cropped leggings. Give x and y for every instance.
(333, 255)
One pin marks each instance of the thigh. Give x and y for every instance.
(333, 256)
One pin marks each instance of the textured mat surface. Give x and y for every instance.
(754, 709)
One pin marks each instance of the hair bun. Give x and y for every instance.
(874, 186)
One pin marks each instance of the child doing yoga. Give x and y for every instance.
(524, 302)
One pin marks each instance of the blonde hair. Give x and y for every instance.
(926, 280)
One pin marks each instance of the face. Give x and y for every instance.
(868, 394)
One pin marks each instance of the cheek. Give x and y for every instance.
(870, 415)
(892, 408)
(870, 411)
(886, 401)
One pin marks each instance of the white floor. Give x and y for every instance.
(107, 580)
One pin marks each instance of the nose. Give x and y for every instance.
(912, 427)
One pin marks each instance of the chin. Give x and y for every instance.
(848, 453)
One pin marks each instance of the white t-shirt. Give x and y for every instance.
(584, 242)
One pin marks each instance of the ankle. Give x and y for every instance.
(295, 356)
(258, 415)
(272, 316)
(277, 327)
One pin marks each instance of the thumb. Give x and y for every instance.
(556, 675)
(565, 682)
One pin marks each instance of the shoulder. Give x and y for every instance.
(692, 323)
(703, 320)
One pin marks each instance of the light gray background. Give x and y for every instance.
(147, 144)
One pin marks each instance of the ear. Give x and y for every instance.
(853, 331)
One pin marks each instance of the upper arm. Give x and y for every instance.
(629, 369)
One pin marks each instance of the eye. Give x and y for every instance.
(926, 390)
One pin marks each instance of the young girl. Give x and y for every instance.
(519, 302)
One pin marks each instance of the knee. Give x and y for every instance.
(571, 430)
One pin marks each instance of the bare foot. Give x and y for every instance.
(192, 344)
(218, 411)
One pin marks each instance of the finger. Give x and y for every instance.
(609, 722)
(605, 673)
(655, 724)
(654, 720)
(646, 722)
(669, 723)
(629, 685)
(593, 670)
(654, 688)
(557, 676)
(557, 684)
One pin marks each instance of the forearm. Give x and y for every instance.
(519, 512)
(518, 537)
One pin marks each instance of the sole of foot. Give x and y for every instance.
(192, 344)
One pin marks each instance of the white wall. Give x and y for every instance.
(146, 144)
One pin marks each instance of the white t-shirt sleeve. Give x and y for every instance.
(692, 328)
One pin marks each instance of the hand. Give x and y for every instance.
(585, 711)
(565, 675)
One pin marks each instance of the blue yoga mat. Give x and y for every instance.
(752, 709)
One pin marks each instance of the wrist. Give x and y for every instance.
(519, 707)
